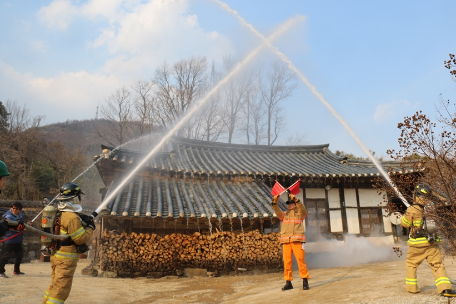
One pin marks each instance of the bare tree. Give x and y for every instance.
(118, 111)
(20, 144)
(254, 113)
(276, 85)
(428, 149)
(177, 87)
(208, 124)
(296, 139)
(144, 104)
(236, 93)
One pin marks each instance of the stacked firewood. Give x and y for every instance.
(226, 251)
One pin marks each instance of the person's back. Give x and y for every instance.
(65, 258)
(420, 247)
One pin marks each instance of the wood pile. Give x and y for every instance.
(221, 251)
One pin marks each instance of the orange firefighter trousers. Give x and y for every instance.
(61, 280)
(414, 258)
(288, 250)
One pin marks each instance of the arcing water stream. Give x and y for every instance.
(317, 94)
(195, 108)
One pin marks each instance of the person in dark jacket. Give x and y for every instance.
(12, 246)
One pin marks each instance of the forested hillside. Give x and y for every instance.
(42, 158)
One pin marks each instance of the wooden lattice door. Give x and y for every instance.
(317, 222)
(371, 220)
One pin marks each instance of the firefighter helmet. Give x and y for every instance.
(422, 189)
(3, 169)
(69, 191)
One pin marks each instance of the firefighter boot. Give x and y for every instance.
(287, 286)
(448, 293)
(305, 284)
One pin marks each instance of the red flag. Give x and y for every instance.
(277, 189)
(294, 189)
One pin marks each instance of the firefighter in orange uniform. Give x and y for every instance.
(423, 246)
(65, 258)
(292, 239)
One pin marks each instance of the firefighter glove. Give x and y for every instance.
(293, 198)
(87, 221)
(90, 223)
(274, 200)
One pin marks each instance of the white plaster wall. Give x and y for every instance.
(335, 217)
(334, 198)
(352, 220)
(350, 197)
(386, 222)
(371, 198)
(315, 193)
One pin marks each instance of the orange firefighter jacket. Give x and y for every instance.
(71, 224)
(413, 219)
(292, 226)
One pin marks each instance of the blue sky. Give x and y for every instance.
(373, 61)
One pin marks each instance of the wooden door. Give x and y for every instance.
(371, 221)
(317, 222)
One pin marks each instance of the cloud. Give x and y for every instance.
(388, 111)
(64, 96)
(38, 46)
(57, 15)
(131, 39)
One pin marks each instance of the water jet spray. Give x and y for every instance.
(195, 108)
(317, 94)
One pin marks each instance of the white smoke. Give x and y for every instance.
(353, 251)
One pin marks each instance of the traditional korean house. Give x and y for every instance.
(206, 188)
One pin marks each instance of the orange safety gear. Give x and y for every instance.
(292, 225)
(292, 237)
(290, 249)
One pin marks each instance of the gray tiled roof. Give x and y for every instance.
(179, 198)
(191, 178)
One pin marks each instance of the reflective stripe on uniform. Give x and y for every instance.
(46, 295)
(410, 281)
(418, 223)
(292, 221)
(54, 300)
(66, 255)
(405, 221)
(442, 280)
(294, 237)
(77, 233)
(421, 240)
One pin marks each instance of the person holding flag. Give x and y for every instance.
(292, 235)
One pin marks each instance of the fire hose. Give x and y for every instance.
(41, 232)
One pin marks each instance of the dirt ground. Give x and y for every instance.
(367, 283)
